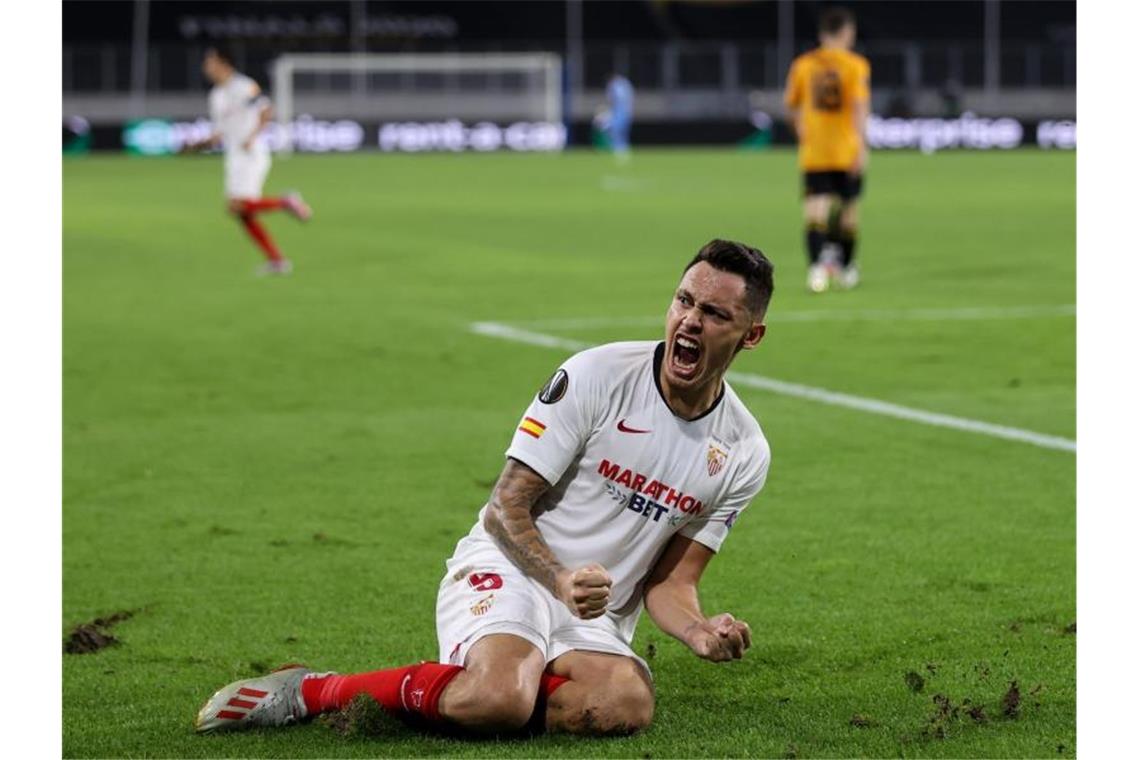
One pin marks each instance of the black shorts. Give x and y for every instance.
(847, 186)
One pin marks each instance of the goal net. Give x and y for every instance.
(423, 101)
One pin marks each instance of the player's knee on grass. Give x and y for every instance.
(619, 702)
(235, 207)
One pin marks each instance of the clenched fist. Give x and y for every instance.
(720, 638)
(586, 591)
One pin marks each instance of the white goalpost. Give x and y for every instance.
(420, 88)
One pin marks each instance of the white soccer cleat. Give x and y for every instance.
(296, 206)
(829, 257)
(848, 278)
(817, 279)
(270, 700)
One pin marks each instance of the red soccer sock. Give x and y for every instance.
(260, 236)
(254, 205)
(546, 686)
(411, 690)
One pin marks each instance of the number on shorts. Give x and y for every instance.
(825, 91)
(485, 581)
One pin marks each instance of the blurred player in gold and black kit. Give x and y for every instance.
(828, 98)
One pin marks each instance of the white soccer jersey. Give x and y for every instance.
(627, 474)
(235, 109)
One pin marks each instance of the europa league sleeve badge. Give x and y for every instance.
(555, 387)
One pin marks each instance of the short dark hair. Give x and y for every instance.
(220, 52)
(746, 261)
(834, 19)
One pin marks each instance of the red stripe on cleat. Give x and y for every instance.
(247, 692)
(230, 715)
(235, 702)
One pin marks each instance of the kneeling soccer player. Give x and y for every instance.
(623, 479)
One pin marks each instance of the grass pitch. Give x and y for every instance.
(273, 471)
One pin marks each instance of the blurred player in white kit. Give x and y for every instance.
(239, 112)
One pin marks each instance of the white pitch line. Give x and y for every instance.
(949, 314)
(506, 332)
(821, 395)
(887, 409)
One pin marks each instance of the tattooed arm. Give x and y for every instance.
(510, 522)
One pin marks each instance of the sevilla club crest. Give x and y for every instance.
(716, 460)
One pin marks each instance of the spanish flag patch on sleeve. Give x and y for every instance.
(532, 427)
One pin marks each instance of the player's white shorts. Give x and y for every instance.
(485, 593)
(246, 172)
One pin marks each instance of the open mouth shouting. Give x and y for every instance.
(685, 357)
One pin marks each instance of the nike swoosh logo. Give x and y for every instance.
(622, 427)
